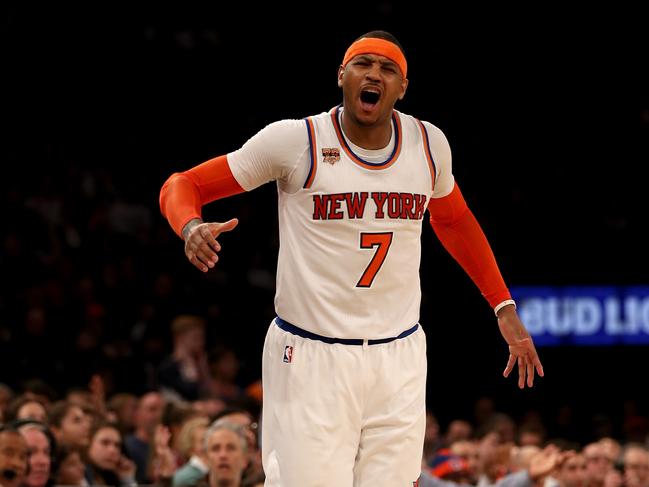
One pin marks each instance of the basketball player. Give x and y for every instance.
(344, 365)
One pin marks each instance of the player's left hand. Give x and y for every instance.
(521, 347)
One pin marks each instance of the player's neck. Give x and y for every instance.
(372, 137)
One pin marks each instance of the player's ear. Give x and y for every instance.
(341, 71)
(404, 87)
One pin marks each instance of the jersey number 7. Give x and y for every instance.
(382, 242)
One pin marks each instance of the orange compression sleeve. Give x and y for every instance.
(462, 237)
(183, 194)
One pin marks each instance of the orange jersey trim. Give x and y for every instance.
(183, 194)
(461, 235)
(374, 166)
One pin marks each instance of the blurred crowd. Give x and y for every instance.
(164, 438)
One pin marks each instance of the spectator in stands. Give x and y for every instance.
(468, 451)
(148, 415)
(450, 467)
(224, 368)
(572, 473)
(250, 427)
(174, 416)
(598, 465)
(123, 406)
(226, 451)
(636, 466)
(432, 440)
(70, 425)
(185, 373)
(191, 443)
(39, 389)
(458, 430)
(531, 435)
(40, 445)
(70, 469)
(107, 465)
(496, 464)
(26, 407)
(13, 457)
(612, 449)
(503, 425)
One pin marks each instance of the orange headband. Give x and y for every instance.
(371, 45)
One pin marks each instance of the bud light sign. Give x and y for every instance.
(585, 315)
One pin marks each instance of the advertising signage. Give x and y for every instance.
(602, 315)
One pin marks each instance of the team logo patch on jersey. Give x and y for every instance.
(288, 354)
(331, 155)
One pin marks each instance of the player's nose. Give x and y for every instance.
(374, 73)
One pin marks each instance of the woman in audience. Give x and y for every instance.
(70, 468)
(106, 464)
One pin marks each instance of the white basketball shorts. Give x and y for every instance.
(340, 415)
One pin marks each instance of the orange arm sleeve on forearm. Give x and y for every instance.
(462, 237)
(183, 194)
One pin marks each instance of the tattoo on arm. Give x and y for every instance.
(189, 226)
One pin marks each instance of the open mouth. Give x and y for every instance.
(370, 97)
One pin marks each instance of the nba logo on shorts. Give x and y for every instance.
(288, 354)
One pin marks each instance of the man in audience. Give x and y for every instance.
(636, 466)
(468, 451)
(458, 430)
(227, 454)
(13, 457)
(40, 445)
(147, 416)
(599, 467)
(572, 473)
(250, 427)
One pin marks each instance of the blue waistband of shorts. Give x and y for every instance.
(287, 327)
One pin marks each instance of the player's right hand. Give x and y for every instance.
(201, 246)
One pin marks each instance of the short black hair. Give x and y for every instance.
(382, 34)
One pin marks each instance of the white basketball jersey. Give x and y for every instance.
(350, 239)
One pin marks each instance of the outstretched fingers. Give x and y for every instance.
(524, 355)
(530, 371)
(538, 365)
(510, 365)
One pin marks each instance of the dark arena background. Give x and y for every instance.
(547, 114)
